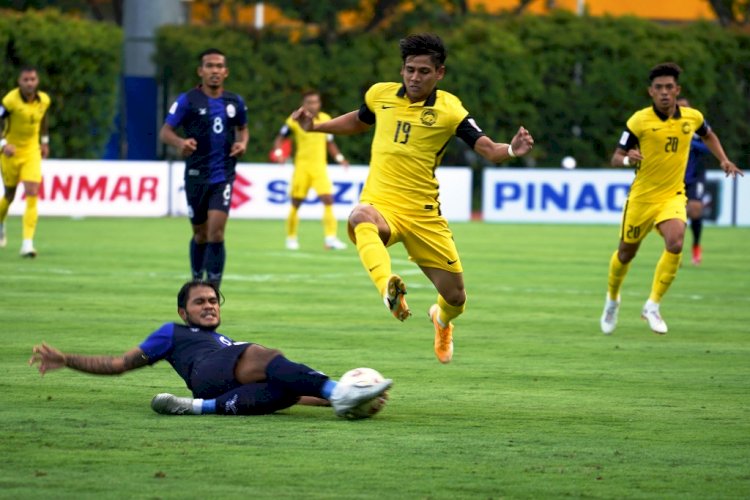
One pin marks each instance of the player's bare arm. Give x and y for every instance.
(348, 124)
(336, 154)
(618, 158)
(50, 359)
(240, 145)
(497, 152)
(44, 130)
(7, 149)
(711, 140)
(186, 147)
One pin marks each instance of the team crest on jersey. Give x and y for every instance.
(429, 117)
(686, 128)
(231, 110)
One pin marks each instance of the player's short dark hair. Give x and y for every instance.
(184, 293)
(310, 92)
(424, 44)
(665, 69)
(209, 52)
(27, 68)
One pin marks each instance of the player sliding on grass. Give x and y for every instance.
(657, 142)
(413, 123)
(225, 377)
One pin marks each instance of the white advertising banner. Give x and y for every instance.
(100, 188)
(580, 196)
(261, 190)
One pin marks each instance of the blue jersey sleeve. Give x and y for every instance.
(242, 112)
(158, 344)
(177, 111)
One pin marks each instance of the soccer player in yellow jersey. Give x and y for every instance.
(310, 170)
(657, 142)
(399, 203)
(23, 119)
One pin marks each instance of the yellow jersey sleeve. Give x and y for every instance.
(664, 143)
(409, 142)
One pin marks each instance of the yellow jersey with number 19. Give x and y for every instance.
(664, 142)
(23, 119)
(409, 142)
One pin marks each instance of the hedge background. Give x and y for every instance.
(79, 65)
(573, 81)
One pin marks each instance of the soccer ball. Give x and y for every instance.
(364, 376)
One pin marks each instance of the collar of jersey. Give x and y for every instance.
(37, 97)
(663, 117)
(430, 101)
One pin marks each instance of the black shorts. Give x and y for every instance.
(204, 197)
(695, 190)
(214, 375)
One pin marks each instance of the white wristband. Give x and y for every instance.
(3, 142)
(45, 139)
(278, 152)
(510, 151)
(339, 158)
(626, 161)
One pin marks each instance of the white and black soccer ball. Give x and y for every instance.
(363, 377)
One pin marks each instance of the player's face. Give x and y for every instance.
(28, 82)
(420, 76)
(202, 308)
(664, 91)
(213, 71)
(312, 104)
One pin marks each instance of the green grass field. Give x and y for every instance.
(536, 404)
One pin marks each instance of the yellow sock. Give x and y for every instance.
(447, 312)
(373, 254)
(666, 270)
(30, 217)
(329, 221)
(617, 272)
(292, 222)
(4, 206)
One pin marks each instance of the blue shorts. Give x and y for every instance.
(214, 375)
(204, 197)
(695, 190)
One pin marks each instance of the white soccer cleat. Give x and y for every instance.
(292, 244)
(608, 321)
(651, 314)
(347, 396)
(169, 404)
(27, 249)
(333, 243)
(3, 239)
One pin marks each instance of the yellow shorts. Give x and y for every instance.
(427, 238)
(303, 179)
(22, 166)
(639, 218)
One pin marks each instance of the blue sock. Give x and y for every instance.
(197, 259)
(328, 388)
(297, 378)
(208, 407)
(259, 398)
(215, 258)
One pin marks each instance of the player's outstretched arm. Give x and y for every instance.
(497, 152)
(714, 144)
(50, 359)
(347, 124)
(622, 158)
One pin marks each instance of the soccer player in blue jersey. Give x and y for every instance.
(695, 182)
(225, 377)
(214, 123)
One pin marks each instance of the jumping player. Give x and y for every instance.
(695, 182)
(225, 377)
(214, 122)
(657, 142)
(24, 141)
(310, 170)
(413, 123)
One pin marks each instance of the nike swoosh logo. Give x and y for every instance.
(655, 129)
(373, 267)
(388, 107)
(451, 262)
